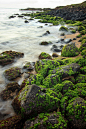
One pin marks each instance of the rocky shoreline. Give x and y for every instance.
(53, 92)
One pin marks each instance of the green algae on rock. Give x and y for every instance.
(76, 113)
(48, 121)
(44, 55)
(12, 73)
(70, 50)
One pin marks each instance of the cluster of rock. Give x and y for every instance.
(76, 13)
(54, 97)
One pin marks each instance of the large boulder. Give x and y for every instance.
(76, 113)
(70, 50)
(47, 120)
(32, 100)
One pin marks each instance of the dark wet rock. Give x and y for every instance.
(12, 73)
(40, 27)
(67, 40)
(74, 38)
(61, 46)
(45, 43)
(11, 17)
(12, 122)
(31, 100)
(81, 78)
(46, 33)
(57, 50)
(26, 21)
(70, 50)
(8, 57)
(46, 24)
(55, 55)
(29, 66)
(10, 91)
(75, 113)
(62, 39)
(21, 16)
(67, 70)
(52, 120)
(44, 55)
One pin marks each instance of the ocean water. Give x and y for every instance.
(19, 36)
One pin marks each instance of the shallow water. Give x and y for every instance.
(19, 36)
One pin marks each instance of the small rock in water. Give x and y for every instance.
(67, 40)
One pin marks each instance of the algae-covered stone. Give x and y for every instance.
(76, 113)
(51, 80)
(70, 50)
(67, 70)
(66, 85)
(47, 121)
(81, 78)
(83, 70)
(63, 28)
(83, 52)
(44, 55)
(12, 73)
(32, 100)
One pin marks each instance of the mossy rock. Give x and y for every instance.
(66, 85)
(7, 57)
(29, 66)
(76, 113)
(51, 80)
(82, 47)
(81, 78)
(12, 73)
(83, 52)
(81, 61)
(66, 70)
(63, 28)
(83, 70)
(73, 31)
(83, 41)
(10, 91)
(35, 79)
(70, 50)
(83, 32)
(80, 28)
(78, 36)
(47, 121)
(81, 85)
(45, 43)
(33, 100)
(14, 122)
(44, 55)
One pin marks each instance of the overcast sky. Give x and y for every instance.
(37, 3)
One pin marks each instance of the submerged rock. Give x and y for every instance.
(8, 57)
(12, 73)
(10, 91)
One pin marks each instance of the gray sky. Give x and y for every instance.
(37, 3)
